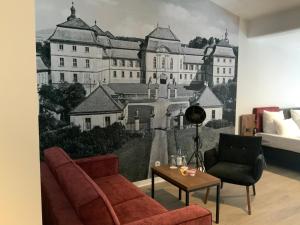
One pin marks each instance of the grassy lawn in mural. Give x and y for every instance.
(134, 157)
(184, 139)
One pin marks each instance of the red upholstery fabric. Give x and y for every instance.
(57, 209)
(86, 197)
(100, 166)
(258, 112)
(118, 189)
(191, 215)
(71, 197)
(137, 209)
(56, 157)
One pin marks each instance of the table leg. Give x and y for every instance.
(218, 204)
(187, 198)
(152, 185)
(179, 194)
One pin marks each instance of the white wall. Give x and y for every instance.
(20, 200)
(269, 71)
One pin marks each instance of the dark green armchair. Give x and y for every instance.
(238, 160)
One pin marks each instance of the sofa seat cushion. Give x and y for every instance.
(233, 173)
(118, 189)
(138, 208)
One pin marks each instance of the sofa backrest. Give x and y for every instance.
(57, 209)
(88, 200)
(239, 149)
(56, 157)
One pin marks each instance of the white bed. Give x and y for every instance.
(281, 150)
(280, 142)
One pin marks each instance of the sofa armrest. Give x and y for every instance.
(99, 166)
(258, 167)
(190, 215)
(210, 158)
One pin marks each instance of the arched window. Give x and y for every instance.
(154, 62)
(171, 63)
(163, 63)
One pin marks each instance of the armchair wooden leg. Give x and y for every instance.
(206, 195)
(248, 200)
(254, 191)
(221, 184)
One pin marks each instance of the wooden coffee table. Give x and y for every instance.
(187, 183)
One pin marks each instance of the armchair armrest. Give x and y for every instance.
(259, 166)
(99, 166)
(210, 158)
(188, 216)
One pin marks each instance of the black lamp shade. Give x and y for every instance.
(195, 114)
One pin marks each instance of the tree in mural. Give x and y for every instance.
(61, 100)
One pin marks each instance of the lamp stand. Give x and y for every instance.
(197, 154)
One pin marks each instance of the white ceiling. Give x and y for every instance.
(250, 9)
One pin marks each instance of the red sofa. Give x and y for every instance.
(90, 191)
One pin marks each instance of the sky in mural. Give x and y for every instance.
(137, 18)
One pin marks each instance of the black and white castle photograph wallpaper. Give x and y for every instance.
(116, 76)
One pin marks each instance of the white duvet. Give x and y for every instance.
(280, 142)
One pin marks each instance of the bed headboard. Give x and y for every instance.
(287, 112)
(258, 112)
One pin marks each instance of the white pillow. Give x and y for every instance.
(296, 116)
(268, 118)
(287, 128)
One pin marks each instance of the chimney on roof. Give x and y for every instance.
(73, 12)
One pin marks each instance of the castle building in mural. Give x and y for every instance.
(88, 55)
(101, 108)
(111, 69)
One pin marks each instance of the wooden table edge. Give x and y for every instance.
(172, 181)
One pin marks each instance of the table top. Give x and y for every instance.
(187, 183)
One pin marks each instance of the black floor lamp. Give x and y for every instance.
(196, 115)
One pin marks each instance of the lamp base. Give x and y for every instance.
(197, 155)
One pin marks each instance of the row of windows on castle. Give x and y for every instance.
(130, 63)
(74, 62)
(163, 64)
(74, 48)
(224, 70)
(88, 80)
(218, 59)
(132, 75)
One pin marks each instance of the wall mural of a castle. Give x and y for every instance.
(103, 91)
